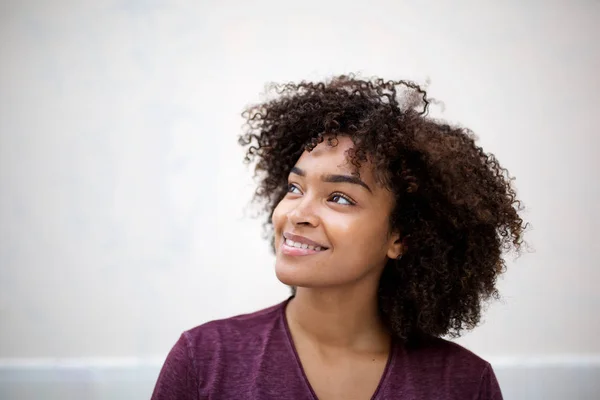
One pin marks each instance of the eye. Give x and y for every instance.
(342, 199)
(291, 188)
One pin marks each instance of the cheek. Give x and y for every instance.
(347, 228)
(361, 237)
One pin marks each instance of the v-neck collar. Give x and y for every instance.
(384, 375)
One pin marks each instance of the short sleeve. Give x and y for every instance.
(178, 378)
(489, 389)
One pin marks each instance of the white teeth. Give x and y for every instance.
(299, 245)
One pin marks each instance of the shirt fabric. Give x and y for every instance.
(252, 356)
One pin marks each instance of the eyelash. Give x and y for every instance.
(291, 186)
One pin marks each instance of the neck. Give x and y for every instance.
(339, 318)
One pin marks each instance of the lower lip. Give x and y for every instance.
(297, 251)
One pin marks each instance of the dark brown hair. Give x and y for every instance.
(455, 207)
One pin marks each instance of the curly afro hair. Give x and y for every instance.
(455, 207)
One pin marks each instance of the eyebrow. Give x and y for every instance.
(333, 178)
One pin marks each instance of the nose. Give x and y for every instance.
(303, 213)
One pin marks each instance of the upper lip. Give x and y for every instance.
(302, 239)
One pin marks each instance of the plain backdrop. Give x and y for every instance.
(124, 214)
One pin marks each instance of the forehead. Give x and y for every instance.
(332, 158)
(326, 159)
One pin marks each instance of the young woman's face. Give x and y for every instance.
(332, 228)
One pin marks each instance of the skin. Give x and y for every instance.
(334, 320)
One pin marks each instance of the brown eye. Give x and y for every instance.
(291, 187)
(341, 199)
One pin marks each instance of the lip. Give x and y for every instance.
(303, 240)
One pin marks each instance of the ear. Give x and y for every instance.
(395, 247)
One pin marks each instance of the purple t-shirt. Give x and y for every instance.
(253, 357)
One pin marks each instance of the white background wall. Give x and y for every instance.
(123, 217)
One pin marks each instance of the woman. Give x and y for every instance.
(389, 226)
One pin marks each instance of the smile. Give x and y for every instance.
(299, 245)
(292, 248)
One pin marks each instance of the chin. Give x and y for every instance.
(289, 275)
(307, 277)
(295, 276)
